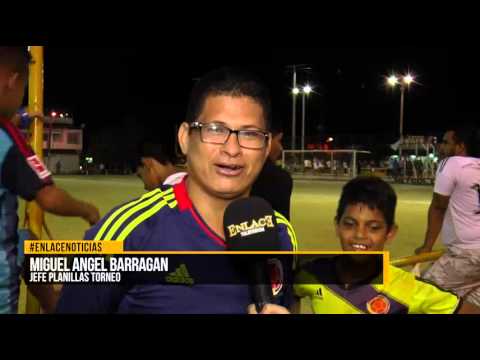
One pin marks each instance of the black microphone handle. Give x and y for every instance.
(261, 284)
(260, 293)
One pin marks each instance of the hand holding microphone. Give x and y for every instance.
(268, 309)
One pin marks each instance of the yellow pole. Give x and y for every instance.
(35, 104)
(413, 260)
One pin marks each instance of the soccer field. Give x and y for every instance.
(313, 209)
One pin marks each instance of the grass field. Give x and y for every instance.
(313, 209)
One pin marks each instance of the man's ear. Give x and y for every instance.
(183, 137)
(392, 234)
(269, 147)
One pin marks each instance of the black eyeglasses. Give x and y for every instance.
(219, 134)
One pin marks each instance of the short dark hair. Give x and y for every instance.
(232, 82)
(469, 135)
(371, 191)
(276, 128)
(15, 58)
(158, 152)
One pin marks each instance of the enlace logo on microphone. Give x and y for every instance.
(255, 227)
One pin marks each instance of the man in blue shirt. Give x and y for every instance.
(226, 141)
(23, 174)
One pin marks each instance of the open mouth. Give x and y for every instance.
(229, 170)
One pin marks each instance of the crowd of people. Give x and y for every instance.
(409, 169)
(412, 169)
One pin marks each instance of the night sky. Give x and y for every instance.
(104, 87)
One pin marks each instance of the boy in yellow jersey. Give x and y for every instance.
(365, 221)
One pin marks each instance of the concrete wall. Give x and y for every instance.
(70, 163)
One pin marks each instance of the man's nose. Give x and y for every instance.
(232, 146)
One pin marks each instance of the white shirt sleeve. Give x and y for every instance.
(446, 177)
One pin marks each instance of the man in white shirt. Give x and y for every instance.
(455, 214)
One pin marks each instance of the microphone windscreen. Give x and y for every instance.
(250, 225)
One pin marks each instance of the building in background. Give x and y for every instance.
(62, 144)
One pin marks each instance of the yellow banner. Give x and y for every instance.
(72, 247)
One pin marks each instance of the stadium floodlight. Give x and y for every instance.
(392, 80)
(296, 91)
(408, 79)
(307, 89)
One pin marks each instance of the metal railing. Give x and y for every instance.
(417, 259)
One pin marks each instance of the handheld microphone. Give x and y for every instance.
(250, 225)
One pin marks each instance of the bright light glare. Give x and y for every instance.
(408, 79)
(307, 89)
(392, 80)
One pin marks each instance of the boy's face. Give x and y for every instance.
(363, 229)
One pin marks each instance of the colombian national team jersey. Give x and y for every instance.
(166, 220)
(22, 174)
(404, 294)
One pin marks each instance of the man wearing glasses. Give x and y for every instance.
(226, 140)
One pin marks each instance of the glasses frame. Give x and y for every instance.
(200, 126)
